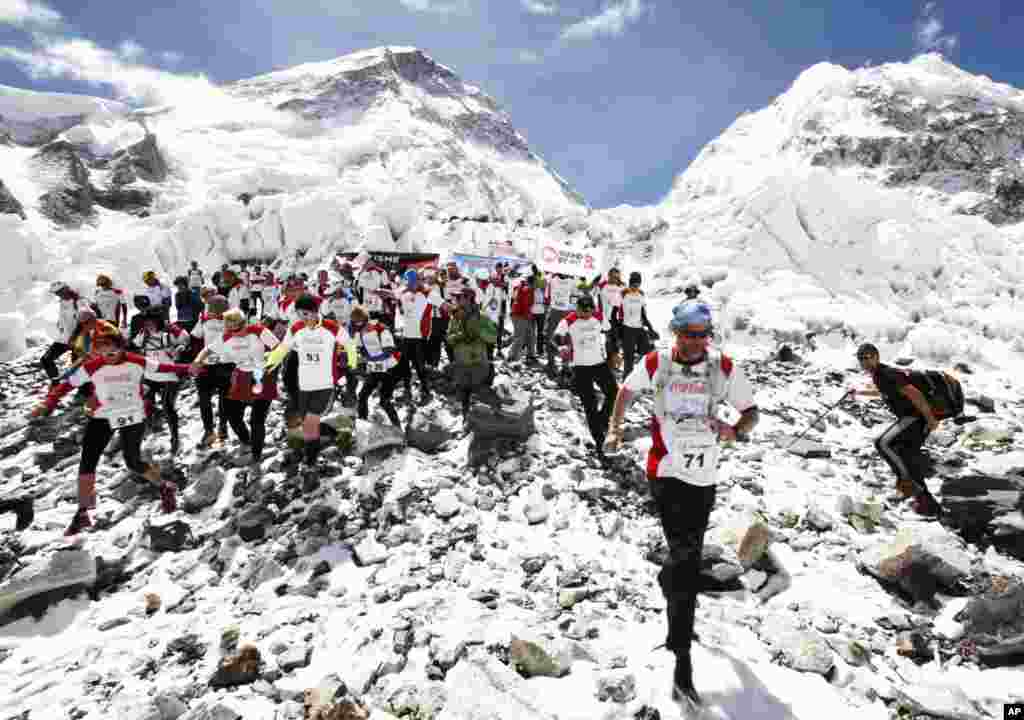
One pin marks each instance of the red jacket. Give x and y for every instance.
(522, 301)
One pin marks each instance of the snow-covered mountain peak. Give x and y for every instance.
(878, 195)
(382, 149)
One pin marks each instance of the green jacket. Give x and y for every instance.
(470, 337)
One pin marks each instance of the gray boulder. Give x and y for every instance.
(482, 688)
(426, 434)
(618, 688)
(918, 561)
(71, 570)
(253, 522)
(986, 510)
(204, 491)
(170, 536)
(805, 651)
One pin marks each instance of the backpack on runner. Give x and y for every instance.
(943, 392)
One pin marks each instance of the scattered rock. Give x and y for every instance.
(805, 652)
(240, 669)
(370, 552)
(510, 416)
(446, 504)
(188, 648)
(68, 571)
(113, 623)
(152, 603)
(983, 403)
(531, 660)
(170, 536)
(482, 687)
(294, 658)
(204, 491)
(619, 688)
(753, 537)
(536, 511)
(818, 519)
(987, 510)
(914, 645)
(426, 434)
(214, 711)
(252, 523)
(997, 611)
(942, 701)
(918, 561)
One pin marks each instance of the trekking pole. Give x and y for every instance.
(818, 419)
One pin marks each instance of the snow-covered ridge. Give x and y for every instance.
(885, 201)
(383, 149)
(29, 117)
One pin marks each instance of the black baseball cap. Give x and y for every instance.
(865, 350)
(584, 302)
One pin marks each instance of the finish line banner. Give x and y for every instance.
(556, 257)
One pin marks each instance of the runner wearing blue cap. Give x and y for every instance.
(690, 382)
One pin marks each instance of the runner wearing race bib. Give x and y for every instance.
(609, 296)
(338, 306)
(417, 309)
(256, 285)
(116, 405)
(635, 324)
(243, 346)
(318, 349)
(584, 346)
(217, 378)
(109, 302)
(376, 346)
(161, 343)
(195, 276)
(690, 384)
(559, 290)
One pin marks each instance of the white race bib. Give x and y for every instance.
(379, 366)
(120, 404)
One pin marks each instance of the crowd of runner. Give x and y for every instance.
(249, 338)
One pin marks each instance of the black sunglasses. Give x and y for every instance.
(695, 333)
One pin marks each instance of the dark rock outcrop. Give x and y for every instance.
(141, 160)
(134, 201)
(9, 205)
(961, 144)
(983, 509)
(69, 200)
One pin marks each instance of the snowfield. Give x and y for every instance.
(851, 209)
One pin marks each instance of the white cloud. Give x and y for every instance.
(529, 57)
(197, 101)
(84, 61)
(540, 7)
(441, 7)
(612, 21)
(27, 12)
(130, 50)
(928, 32)
(170, 57)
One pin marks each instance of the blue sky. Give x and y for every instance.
(617, 95)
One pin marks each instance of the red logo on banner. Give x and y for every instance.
(550, 254)
(588, 262)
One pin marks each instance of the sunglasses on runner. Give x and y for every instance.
(695, 334)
